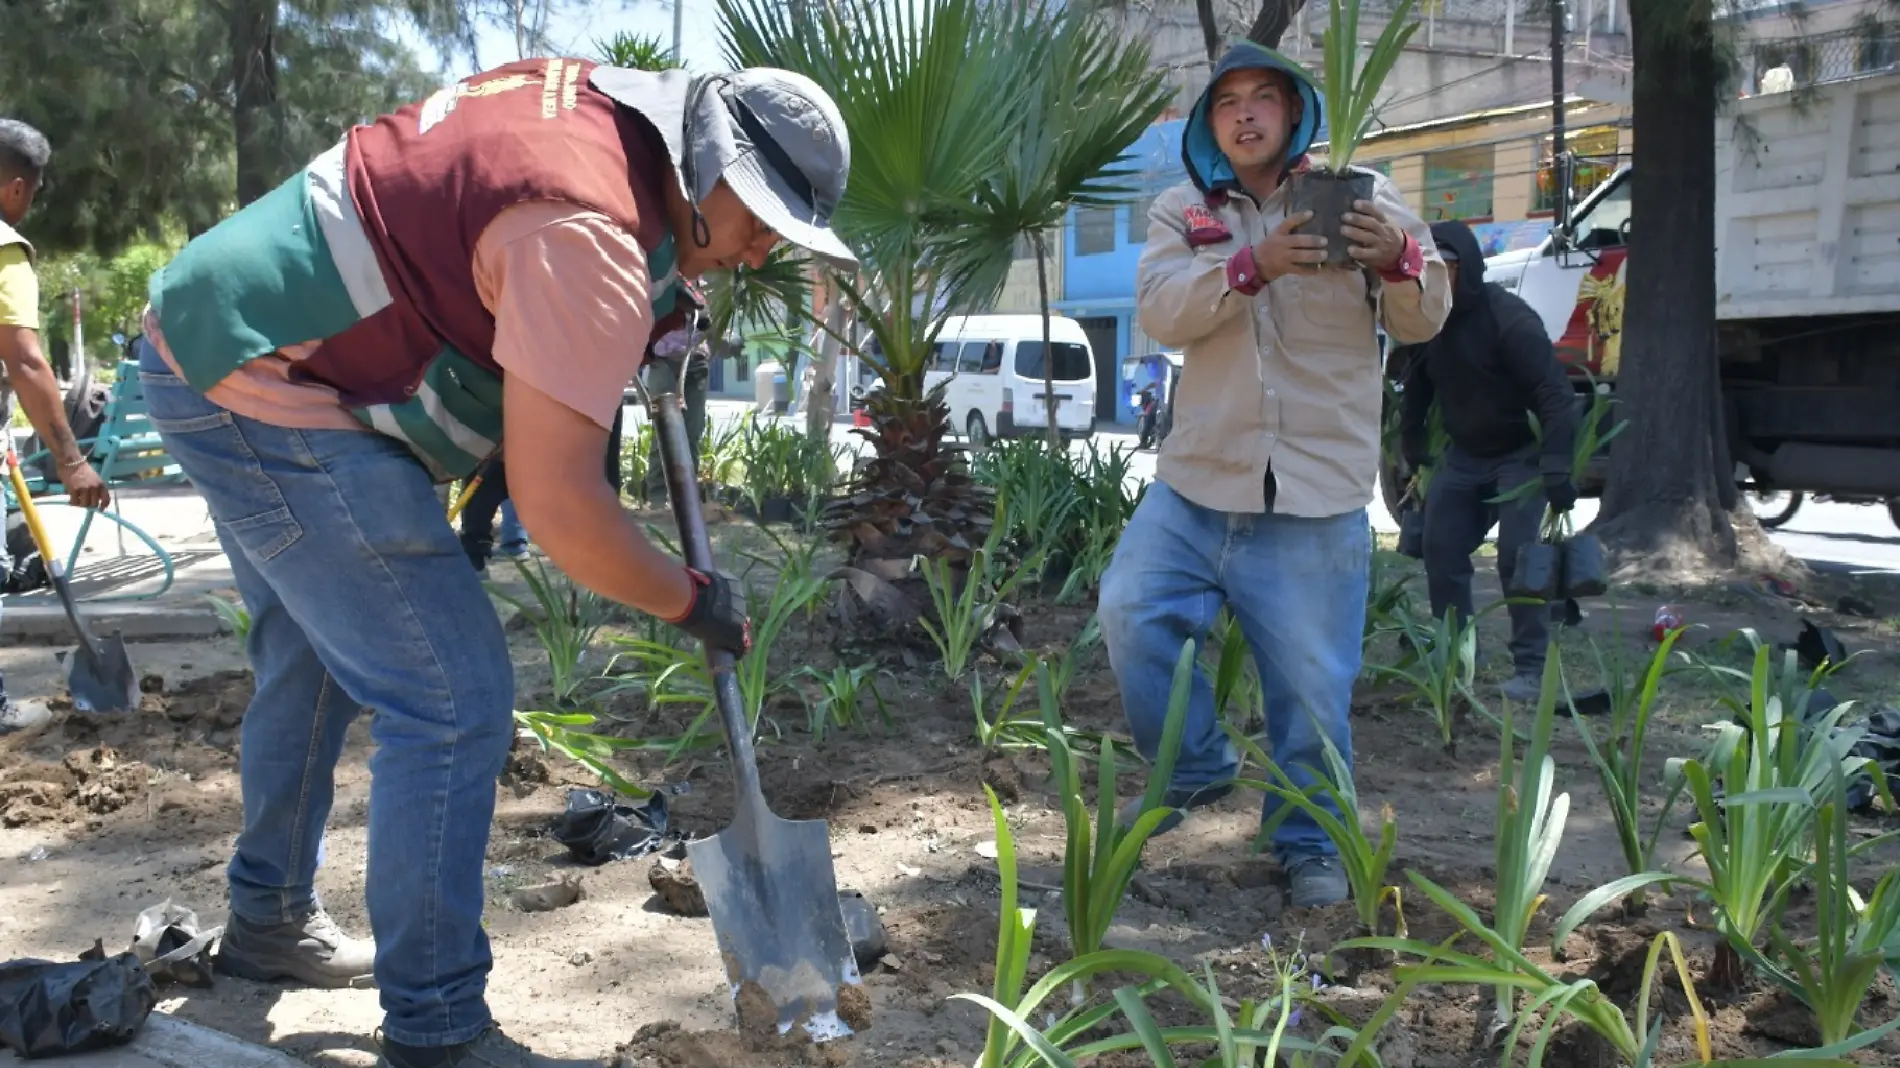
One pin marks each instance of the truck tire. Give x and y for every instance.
(1770, 511)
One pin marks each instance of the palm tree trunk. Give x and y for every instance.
(821, 405)
(1048, 350)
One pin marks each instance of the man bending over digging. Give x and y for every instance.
(1260, 494)
(495, 259)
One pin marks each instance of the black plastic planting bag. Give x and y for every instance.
(48, 1009)
(1585, 571)
(596, 830)
(1412, 533)
(1538, 571)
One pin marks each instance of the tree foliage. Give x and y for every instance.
(176, 110)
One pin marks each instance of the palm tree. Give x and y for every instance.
(1095, 95)
(940, 97)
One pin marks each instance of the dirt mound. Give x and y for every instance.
(215, 702)
(668, 1045)
(81, 767)
(87, 782)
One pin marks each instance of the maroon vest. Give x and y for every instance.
(429, 179)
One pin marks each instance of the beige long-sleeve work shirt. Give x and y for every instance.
(1287, 378)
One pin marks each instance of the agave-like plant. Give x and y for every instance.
(637, 51)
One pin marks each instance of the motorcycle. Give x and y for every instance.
(1147, 417)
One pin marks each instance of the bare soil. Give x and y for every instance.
(100, 819)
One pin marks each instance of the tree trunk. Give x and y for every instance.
(1661, 502)
(821, 406)
(1270, 25)
(1210, 28)
(1048, 350)
(253, 30)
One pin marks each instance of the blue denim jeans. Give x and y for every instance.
(513, 537)
(360, 597)
(1296, 586)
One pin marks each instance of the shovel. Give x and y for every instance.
(101, 679)
(769, 883)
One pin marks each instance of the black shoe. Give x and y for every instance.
(491, 1049)
(1179, 799)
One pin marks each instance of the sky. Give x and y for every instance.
(576, 24)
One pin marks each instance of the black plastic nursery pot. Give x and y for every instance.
(1329, 196)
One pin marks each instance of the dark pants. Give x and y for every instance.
(663, 376)
(1458, 514)
(478, 516)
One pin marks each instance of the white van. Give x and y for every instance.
(994, 364)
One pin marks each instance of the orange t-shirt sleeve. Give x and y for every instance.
(569, 291)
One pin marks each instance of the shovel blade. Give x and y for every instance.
(773, 898)
(102, 678)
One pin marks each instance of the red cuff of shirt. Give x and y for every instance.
(1242, 276)
(1411, 263)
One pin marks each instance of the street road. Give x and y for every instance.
(1833, 536)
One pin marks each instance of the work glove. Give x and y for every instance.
(1560, 492)
(717, 615)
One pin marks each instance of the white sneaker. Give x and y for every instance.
(19, 715)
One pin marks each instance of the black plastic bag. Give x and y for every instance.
(595, 829)
(864, 927)
(1817, 646)
(1586, 573)
(1538, 571)
(48, 1009)
(1412, 533)
(172, 948)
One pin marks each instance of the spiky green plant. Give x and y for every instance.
(1352, 89)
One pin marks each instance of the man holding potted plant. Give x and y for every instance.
(1490, 369)
(1260, 493)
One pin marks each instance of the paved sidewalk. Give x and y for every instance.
(111, 565)
(168, 1042)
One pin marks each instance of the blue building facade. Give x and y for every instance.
(1100, 249)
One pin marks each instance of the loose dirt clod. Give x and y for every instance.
(94, 781)
(547, 897)
(854, 1006)
(758, 1016)
(677, 888)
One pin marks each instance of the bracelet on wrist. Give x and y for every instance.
(72, 465)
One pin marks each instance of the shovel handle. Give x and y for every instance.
(682, 489)
(28, 508)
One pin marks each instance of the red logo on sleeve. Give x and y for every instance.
(1204, 227)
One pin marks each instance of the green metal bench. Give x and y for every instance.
(127, 451)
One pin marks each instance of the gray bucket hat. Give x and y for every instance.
(775, 136)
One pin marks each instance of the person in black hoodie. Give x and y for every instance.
(1489, 368)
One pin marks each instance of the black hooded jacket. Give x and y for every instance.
(1490, 365)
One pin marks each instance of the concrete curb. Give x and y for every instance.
(166, 1041)
(37, 624)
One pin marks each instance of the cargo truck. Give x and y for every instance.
(1807, 257)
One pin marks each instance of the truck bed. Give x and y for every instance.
(1808, 202)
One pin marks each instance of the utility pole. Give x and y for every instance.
(679, 26)
(1559, 153)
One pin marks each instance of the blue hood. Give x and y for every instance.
(1207, 165)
